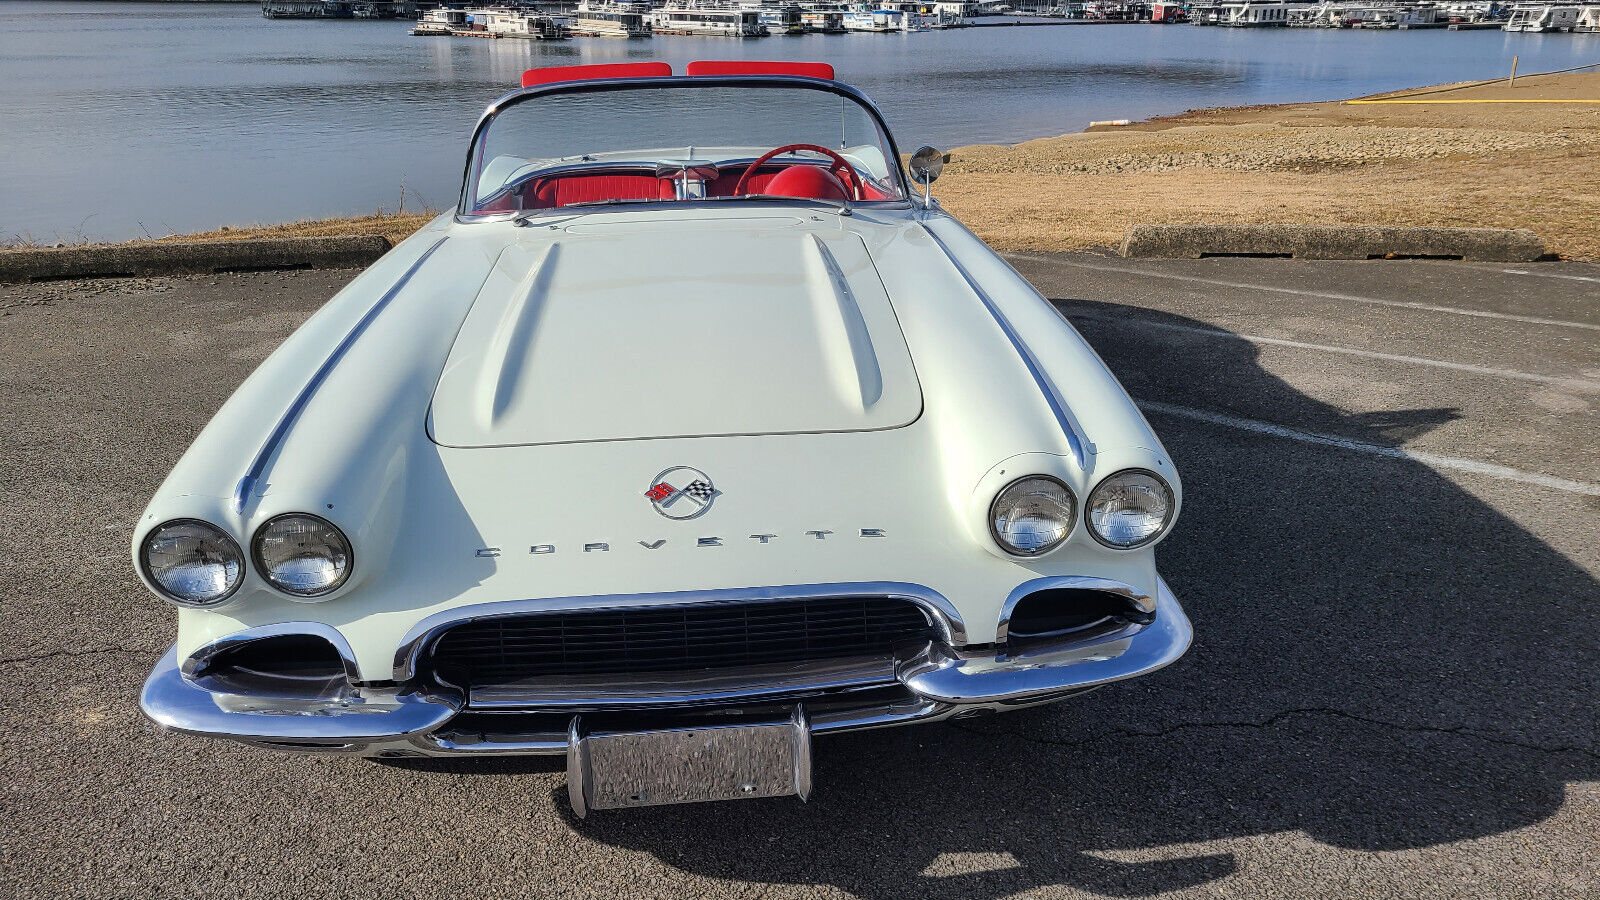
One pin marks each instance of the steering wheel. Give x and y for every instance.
(839, 167)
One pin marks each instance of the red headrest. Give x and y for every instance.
(755, 67)
(589, 73)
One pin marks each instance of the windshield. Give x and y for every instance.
(666, 143)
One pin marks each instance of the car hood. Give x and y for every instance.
(606, 335)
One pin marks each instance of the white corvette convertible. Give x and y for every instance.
(694, 431)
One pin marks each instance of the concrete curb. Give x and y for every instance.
(190, 257)
(1332, 242)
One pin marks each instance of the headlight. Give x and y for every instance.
(302, 554)
(1129, 509)
(193, 563)
(1032, 515)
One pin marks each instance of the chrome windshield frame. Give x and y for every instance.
(463, 214)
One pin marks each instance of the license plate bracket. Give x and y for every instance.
(619, 769)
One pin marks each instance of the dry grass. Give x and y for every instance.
(1488, 165)
(394, 227)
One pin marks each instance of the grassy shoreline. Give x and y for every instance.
(1484, 164)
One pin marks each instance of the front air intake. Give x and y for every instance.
(1063, 613)
(675, 639)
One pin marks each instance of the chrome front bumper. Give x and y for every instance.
(941, 683)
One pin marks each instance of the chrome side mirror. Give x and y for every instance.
(926, 164)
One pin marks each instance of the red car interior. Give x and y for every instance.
(757, 67)
(806, 181)
(548, 193)
(799, 180)
(552, 74)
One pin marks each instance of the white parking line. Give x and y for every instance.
(1551, 275)
(1352, 298)
(1431, 460)
(1575, 384)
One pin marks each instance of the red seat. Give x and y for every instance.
(806, 181)
(548, 193)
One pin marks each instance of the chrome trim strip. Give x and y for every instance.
(422, 635)
(1057, 403)
(258, 466)
(578, 768)
(987, 678)
(1145, 603)
(945, 681)
(447, 743)
(341, 723)
(198, 659)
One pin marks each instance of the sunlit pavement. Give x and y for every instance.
(1389, 549)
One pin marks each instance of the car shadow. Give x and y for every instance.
(1382, 661)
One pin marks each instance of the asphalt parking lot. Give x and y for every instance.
(1389, 550)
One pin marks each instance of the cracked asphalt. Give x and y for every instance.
(1389, 551)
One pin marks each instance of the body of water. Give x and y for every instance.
(121, 119)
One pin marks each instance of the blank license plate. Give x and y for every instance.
(611, 770)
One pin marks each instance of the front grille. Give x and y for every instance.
(677, 638)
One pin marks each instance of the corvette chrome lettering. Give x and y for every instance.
(710, 540)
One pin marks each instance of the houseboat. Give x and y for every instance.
(824, 18)
(608, 18)
(1540, 17)
(1165, 12)
(722, 17)
(779, 16)
(442, 20)
(1258, 15)
(515, 23)
(876, 20)
(1588, 20)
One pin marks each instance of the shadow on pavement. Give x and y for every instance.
(1382, 661)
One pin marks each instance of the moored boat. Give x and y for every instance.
(875, 20)
(1274, 14)
(824, 16)
(442, 21)
(1542, 17)
(608, 18)
(516, 23)
(779, 16)
(699, 17)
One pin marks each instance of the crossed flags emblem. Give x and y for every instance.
(700, 489)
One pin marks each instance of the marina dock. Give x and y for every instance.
(559, 19)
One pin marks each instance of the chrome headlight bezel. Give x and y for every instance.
(1158, 534)
(267, 573)
(226, 539)
(1066, 532)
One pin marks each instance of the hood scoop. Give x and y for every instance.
(684, 333)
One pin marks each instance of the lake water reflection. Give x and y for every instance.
(118, 119)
